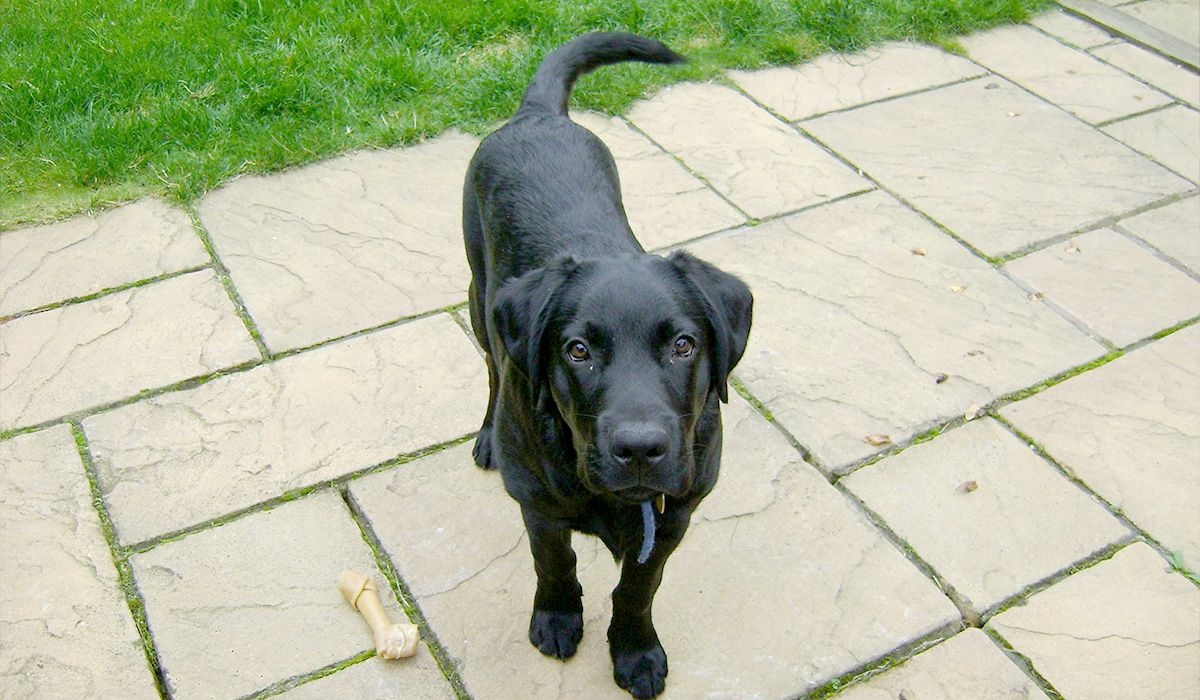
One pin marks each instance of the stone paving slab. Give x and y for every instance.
(952, 500)
(758, 162)
(63, 618)
(1179, 18)
(254, 602)
(665, 203)
(1071, 29)
(1112, 284)
(1154, 69)
(351, 243)
(852, 328)
(997, 166)
(1065, 76)
(41, 265)
(182, 458)
(838, 81)
(88, 354)
(1120, 22)
(1173, 229)
(1130, 430)
(1127, 627)
(1171, 136)
(779, 586)
(968, 665)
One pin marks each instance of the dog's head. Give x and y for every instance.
(629, 351)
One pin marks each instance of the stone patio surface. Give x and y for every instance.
(962, 460)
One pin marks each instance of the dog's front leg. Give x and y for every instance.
(557, 622)
(639, 661)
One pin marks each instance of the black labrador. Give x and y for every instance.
(605, 363)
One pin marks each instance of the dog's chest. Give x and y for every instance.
(615, 527)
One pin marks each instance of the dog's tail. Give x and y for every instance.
(551, 85)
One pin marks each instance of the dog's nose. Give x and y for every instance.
(639, 443)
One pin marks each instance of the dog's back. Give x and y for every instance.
(541, 155)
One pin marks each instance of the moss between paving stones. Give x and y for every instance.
(759, 407)
(120, 557)
(104, 292)
(753, 400)
(883, 664)
(1168, 331)
(293, 495)
(1020, 597)
(222, 274)
(200, 380)
(1024, 664)
(1059, 378)
(406, 599)
(296, 681)
(1172, 557)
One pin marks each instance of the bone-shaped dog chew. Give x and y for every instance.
(392, 641)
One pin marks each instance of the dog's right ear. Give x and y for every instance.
(521, 313)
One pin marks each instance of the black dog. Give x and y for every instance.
(605, 363)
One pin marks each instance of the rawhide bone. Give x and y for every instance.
(392, 641)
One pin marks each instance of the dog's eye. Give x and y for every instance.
(577, 351)
(684, 346)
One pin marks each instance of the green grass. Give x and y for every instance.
(107, 101)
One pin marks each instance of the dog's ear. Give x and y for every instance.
(728, 304)
(522, 311)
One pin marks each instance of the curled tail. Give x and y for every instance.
(551, 85)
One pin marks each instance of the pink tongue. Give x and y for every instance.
(647, 531)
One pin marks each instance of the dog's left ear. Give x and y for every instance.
(728, 304)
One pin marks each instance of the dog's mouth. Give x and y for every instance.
(637, 494)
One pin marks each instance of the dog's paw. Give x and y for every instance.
(556, 634)
(643, 673)
(482, 452)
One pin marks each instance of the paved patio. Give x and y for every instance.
(962, 462)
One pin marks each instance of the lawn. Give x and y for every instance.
(107, 101)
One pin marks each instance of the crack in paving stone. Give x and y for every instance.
(1104, 637)
(359, 238)
(475, 574)
(202, 616)
(772, 501)
(44, 257)
(896, 336)
(353, 174)
(65, 360)
(253, 257)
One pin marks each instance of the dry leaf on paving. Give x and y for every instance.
(878, 440)
(1036, 296)
(918, 251)
(958, 289)
(973, 412)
